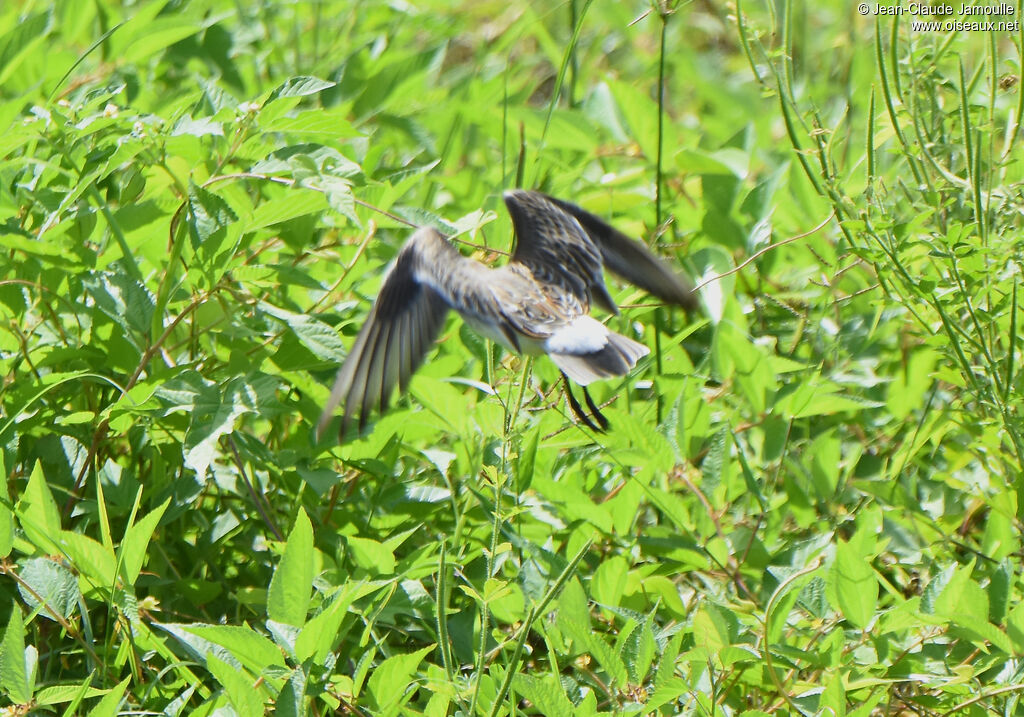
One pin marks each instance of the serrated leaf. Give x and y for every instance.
(202, 127)
(238, 645)
(243, 694)
(208, 214)
(123, 299)
(300, 87)
(297, 203)
(546, 693)
(321, 340)
(50, 582)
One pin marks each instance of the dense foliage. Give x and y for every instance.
(809, 503)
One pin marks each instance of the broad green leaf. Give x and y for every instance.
(241, 690)
(370, 555)
(110, 702)
(319, 633)
(545, 692)
(609, 660)
(735, 358)
(825, 455)
(145, 39)
(17, 662)
(907, 390)
(711, 628)
(234, 644)
(208, 215)
(37, 513)
(70, 693)
(638, 652)
(854, 581)
(963, 600)
(50, 582)
(292, 584)
(20, 39)
(94, 561)
(296, 204)
(1001, 538)
(136, 543)
(388, 680)
(299, 87)
(321, 340)
(609, 582)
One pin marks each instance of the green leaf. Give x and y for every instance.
(136, 543)
(292, 584)
(963, 600)
(825, 463)
(109, 704)
(209, 214)
(299, 87)
(389, 679)
(92, 559)
(711, 628)
(52, 583)
(546, 693)
(298, 203)
(370, 555)
(241, 689)
(321, 340)
(610, 661)
(1000, 539)
(6, 515)
(235, 644)
(319, 634)
(17, 662)
(638, 652)
(527, 460)
(609, 582)
(22, 36)
(854, 581)
(37, 513)
(736, 358)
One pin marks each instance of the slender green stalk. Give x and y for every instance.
(524, 631)
(443, 593)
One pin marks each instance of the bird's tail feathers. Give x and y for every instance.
(617, 358)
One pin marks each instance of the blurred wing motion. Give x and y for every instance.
(538, 303)
(402, 326)
(632, 260)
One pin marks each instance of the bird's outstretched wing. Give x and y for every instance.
(401, 327)
(632, 260)
(558, 252)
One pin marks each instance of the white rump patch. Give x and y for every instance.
(585, 335)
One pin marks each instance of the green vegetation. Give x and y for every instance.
(811, 499)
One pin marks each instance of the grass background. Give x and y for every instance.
(811, 499)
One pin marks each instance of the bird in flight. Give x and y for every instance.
(537, 303)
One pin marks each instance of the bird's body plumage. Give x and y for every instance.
(538, 303)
